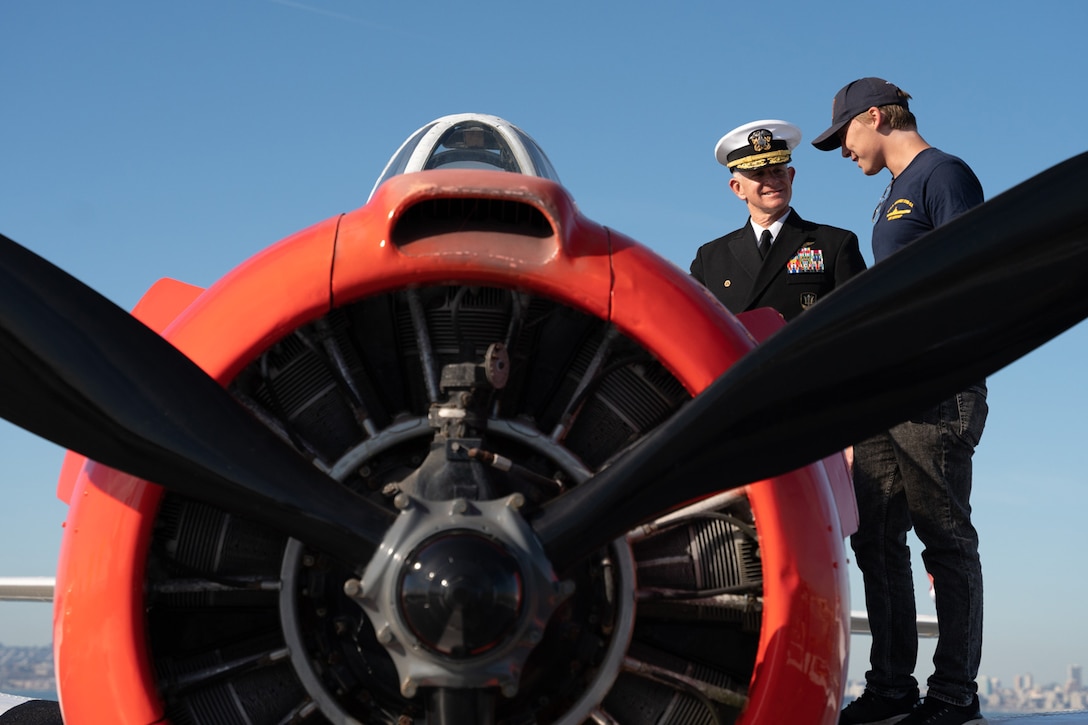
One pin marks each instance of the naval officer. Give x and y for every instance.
(777, 259)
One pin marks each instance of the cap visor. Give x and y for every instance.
(829, 140)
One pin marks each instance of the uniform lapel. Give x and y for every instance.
(786, 244)
(744, 249)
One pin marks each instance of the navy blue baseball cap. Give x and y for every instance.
(854, 98)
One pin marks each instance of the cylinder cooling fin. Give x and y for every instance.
(529, 398)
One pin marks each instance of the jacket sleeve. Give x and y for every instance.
(697, 267)
(849, 261)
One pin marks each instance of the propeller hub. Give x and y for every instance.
(461, 594)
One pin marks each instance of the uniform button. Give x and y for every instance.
(728, 282)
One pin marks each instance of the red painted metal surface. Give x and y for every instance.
(101, 650)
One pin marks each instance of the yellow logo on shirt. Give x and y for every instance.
(901, 207)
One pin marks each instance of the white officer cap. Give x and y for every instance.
(757, 144)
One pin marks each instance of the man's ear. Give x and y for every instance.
(735, 186)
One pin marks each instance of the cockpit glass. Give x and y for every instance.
(469, 141)
(472, 146)
(399, 163)
(540, 161)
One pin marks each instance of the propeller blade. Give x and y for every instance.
(958, 304)
(83, 373)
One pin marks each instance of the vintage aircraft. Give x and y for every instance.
(464, 456)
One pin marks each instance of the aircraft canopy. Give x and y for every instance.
(469, 141)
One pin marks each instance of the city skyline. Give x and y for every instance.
(1020, 695)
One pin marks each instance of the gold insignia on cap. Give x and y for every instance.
(760, 140)
(757, 144)
(763, 149)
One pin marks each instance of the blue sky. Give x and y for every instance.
(154, 139)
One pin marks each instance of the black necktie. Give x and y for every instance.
(764, 243)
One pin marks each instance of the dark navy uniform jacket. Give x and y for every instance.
(806, 262)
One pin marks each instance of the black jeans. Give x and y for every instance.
(919, 473)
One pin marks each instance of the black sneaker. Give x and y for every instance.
(937, 712)
(874, 709)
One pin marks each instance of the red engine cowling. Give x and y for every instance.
(731, 609)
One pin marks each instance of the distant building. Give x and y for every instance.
(986, 686)
(27, 671)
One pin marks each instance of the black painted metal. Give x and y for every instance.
(81, 372)
(955, 306)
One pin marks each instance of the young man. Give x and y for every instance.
(919, 472)
(797, 262)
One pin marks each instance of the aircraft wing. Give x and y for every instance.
(927, 624)
(26, 588)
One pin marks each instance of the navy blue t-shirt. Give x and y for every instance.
(934, 188)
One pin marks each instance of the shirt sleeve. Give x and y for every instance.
(951, 189)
